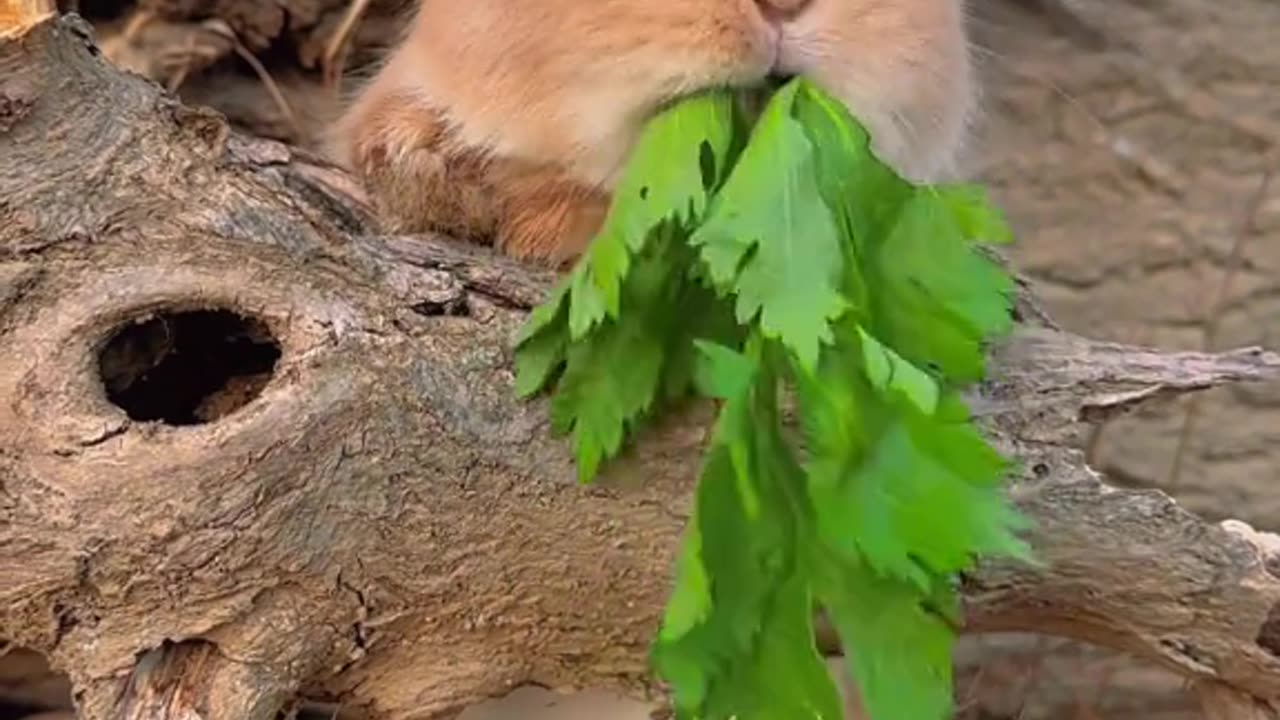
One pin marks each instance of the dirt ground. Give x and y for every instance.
(1130, 142)
(1132, 145)
(1133, 165)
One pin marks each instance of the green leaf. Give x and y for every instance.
(546, 316)
(722, 373)
(938, 300)
(904, 502)
(741, 557)
(588, 304)
(538, 360)
(863, 193)
(541, 343)
(770, 241)
(690, 602)
(786, 677)
(705, 320)
(656, 187)
(914, 494)
(898, 653)
(614, 379)
(611, 382)
(978, 219)
(802, 258)
(887, 371)
(606, 385)
(737, 641)
(929, 294)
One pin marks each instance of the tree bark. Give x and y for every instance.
(384, 523)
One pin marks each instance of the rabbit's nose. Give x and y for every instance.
(776, 10)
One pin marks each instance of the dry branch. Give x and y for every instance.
(385, 523)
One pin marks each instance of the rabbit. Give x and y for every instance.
(510, 121)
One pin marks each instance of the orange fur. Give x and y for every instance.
(510, 120)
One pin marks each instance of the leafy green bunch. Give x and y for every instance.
(782, 270)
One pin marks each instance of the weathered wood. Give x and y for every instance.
(384, 522)
(181, 680)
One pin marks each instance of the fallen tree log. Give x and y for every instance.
(250, 448)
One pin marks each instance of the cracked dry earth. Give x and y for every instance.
(1130, 142)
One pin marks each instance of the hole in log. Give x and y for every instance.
(30, 688)
(187, 368)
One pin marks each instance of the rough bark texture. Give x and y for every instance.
(385, 522)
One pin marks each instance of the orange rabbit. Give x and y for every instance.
(510, 120)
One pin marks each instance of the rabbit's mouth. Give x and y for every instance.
(777, 79)
(753, 98)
